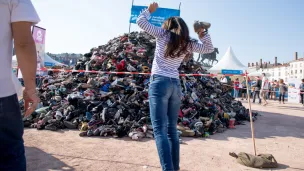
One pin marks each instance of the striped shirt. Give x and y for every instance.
(167, 66)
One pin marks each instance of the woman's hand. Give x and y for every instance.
(201, 33)
(31, 101)
(152, 7)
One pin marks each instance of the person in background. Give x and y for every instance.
(302, 92)
(273, 90)
(236, 88)
(264, 89)
(282, 91)
(16, 21)
(240, 90)
(250, 89)
(257, 87)
(223, 80)
(173, 44)
(268, 95)
(244, 89)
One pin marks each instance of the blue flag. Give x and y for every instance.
(157, 18)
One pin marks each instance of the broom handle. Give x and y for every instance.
(250, 113)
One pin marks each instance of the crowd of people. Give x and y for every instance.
(262, 89)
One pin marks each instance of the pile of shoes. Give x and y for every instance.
(117, 105)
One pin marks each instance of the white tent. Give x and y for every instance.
(228, 62)
(48, 61)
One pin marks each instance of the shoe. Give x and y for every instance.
(180, 127)
(69, 125)
(83, 127)
(51, 127)
(83, 134)
(188, 133)
(90, 133)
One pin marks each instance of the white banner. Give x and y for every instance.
(293, 90)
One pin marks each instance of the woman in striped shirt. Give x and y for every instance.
(173, 43)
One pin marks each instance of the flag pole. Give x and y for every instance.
(250, 113)
(129, 21)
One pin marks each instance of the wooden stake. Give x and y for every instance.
(250, 113)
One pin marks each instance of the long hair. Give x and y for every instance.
(179, 37)
(281, 81)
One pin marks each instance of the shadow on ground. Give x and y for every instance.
(38, 160)
(108, 161)
(284, 167)
(301, 108)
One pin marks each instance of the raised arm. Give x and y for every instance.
(143, 23)
(205, 47)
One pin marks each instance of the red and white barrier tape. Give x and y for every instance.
(127, 73)
(138, 73)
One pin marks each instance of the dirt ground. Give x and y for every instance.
(279, 131)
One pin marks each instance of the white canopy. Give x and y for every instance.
(228, 62)
(48, 61)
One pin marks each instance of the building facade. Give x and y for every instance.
(296, 69)
(277, 71)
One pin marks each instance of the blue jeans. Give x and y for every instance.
(236, 93)
(257, 93)
(165, 100)
(12, 156)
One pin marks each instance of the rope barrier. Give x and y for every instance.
(140, 73)
(126, 73)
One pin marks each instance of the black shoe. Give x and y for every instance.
(69, 125)
(51, 127)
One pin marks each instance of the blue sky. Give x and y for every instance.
(254, 28)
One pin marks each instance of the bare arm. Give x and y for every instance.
(26, 52)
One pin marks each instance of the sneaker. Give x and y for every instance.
(188, 133)
(51, 127)
(69, 125)
(83, 134)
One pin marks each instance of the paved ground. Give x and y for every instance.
(280, 131)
